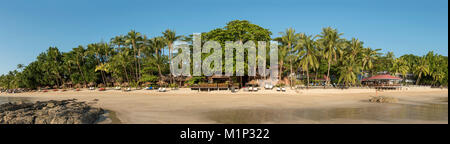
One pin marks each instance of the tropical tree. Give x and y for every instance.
(289, 39)
(400, 66)
(133, 38)
(307, 54)
(170, 37)
(331, 41)
(369, 57)
(421, 69)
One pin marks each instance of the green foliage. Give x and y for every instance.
(134, 59)
(195, 80)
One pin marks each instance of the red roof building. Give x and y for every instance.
(382, 77)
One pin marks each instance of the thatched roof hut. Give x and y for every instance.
(161, 83)
(125, 84)
(253, 82)
(91, 84)
(101, 85)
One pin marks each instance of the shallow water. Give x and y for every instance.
(437, 112)
(114, 118)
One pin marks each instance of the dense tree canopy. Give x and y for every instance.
(136, 59)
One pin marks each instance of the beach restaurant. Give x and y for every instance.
(382, 80)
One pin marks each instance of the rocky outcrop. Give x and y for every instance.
(383, 99)
(49, 112)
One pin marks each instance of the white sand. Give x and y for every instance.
(186, 106)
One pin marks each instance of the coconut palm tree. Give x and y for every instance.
(170, 37)
(369, 56)
(20, 66)
(157, 44)
(78, 57)
(421, 69)
(308, 54)
(97, 50)
(132, 39)
(348, 71)
(331, 42)
(400, 66)
(289, 38)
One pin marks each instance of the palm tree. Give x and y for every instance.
(369, 56)
(97, 50)
(79, 54)
(170, 37)
(54, 64)
(157, 44)
(331, 43)
(308, 52)
(133, 38)
(348, 71)
(289, 37)
(400, 66)
(20, 66)
(421, 68)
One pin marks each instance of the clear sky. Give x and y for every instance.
(29, 27)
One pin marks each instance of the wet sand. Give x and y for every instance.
(294, 106)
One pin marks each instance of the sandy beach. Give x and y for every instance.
(184, 106)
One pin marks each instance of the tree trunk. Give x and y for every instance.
(328, 74)
(418, 79)
(170, 63)
(139, 64)
(126, 74)
(135, 61)
(307, 76)
(281, 70)
(290, 75)
(317, 73)
(101, 72)
(81, 72)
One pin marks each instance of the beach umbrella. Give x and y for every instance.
(78, 86)
(253, 82)
(161, 83)
(91, 84)
(101, 85)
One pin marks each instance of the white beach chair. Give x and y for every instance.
(91, 88)
(162, 90)
(278, 89)
(127, 89)
(283, 89)
(255, 89)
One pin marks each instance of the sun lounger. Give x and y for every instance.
(127, 90)
(255, 89)
(117, 88)
(278, 89)
(162, 90)
(283, 89)
(149, 88)
(91, 88)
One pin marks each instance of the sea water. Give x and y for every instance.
(432, 112)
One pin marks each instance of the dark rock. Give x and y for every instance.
(49, 112)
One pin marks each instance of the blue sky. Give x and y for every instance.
(29, 27)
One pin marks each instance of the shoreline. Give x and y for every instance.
(186, 106)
